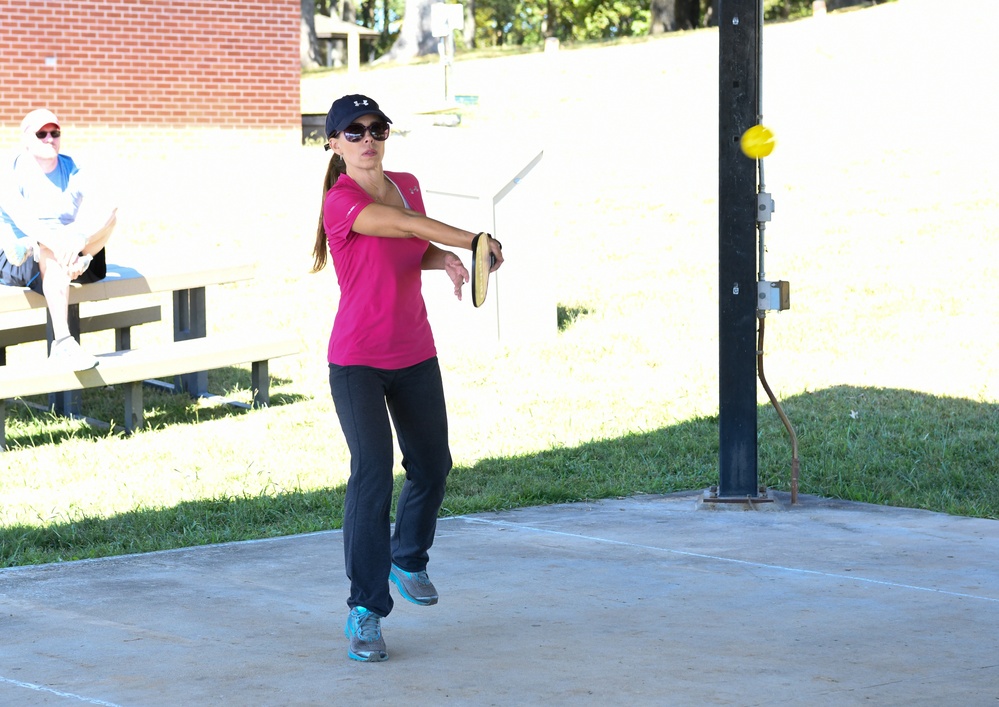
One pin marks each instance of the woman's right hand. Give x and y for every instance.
(455, 270)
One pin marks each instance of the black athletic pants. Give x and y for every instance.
(365, 398)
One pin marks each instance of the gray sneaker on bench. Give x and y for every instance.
(364, 630)
(67, 353)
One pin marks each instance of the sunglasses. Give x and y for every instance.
(54, 133)
(355, 131)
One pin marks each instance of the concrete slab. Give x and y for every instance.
(647, 600)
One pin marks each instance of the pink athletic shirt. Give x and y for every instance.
(381, 320)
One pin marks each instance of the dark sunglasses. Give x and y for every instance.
(57, 132)
(355, 131)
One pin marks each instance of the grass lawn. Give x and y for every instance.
(885, 185)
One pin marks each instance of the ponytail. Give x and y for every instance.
(333, 172)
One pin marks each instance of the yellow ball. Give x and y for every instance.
(758, 142)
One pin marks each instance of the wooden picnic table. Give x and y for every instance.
(187, 282)
(191, 348)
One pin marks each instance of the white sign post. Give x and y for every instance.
(445, 18)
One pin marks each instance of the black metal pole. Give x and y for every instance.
(738, 87)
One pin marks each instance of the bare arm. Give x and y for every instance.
(394, 222)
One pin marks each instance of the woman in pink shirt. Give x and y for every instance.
(383, 364)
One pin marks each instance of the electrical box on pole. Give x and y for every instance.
(740, 27)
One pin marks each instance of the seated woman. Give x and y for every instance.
(50, 235)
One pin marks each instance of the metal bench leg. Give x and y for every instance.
(123, 338)
(3, 425)
(189, 323)
(260, 380)
(134, 418)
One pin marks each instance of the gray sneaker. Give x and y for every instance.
(364, 630)
(67, 353)
(414, 586)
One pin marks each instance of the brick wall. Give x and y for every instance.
(173, 67)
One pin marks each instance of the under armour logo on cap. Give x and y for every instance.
(361, 103)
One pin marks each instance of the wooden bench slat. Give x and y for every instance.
(164, 360)
(122, 281)
(88, 324)
(131, 367)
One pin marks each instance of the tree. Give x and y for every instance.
(468, 31)
(688, 14)
(663, 16)
(309, 47)
(416, 36)
(551, 19)
(671, 15)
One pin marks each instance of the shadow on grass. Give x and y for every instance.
(187, 524)
(34, 424)
(884, 446)
(568, 315)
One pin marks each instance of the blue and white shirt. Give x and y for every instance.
(33, 200)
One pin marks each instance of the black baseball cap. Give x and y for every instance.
(347, 109)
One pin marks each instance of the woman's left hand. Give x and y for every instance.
(455, 270)
(496, 249)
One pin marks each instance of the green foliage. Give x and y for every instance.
(786, 9)
(567, 315)
(512, 22)
(384, 16)
(609, 20)
(517, 23)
